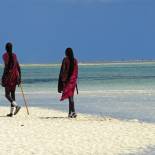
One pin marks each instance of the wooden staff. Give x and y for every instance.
(26, 105)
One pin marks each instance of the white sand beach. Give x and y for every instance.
(50, 132)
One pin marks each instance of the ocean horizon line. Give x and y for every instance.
(82, 63)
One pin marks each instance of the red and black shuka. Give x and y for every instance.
(11, 75)
(67, 84)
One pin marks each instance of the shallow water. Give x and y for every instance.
(120, 90)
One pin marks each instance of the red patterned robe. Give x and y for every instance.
(10, 76)
(67, 87)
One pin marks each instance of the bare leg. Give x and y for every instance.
(72, 113)
(71, 104)
(8, 96)
(13, 95)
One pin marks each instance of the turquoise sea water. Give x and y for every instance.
(120, 90)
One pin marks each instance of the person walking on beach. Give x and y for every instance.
(68, 80)
(11, 77)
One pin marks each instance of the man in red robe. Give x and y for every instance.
(68, 80)
(11, 77)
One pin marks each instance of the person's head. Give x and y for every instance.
(69, 53)
(8, 47)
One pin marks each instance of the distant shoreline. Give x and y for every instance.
(93, 63)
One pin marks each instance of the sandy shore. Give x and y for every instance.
(50, 132)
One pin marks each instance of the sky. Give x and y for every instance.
(97, 30)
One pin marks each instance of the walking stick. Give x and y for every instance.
(77, 89)
(24, 99)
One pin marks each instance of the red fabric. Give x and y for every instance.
(12, 75)
(69, 87)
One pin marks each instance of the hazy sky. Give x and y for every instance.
(96, 29)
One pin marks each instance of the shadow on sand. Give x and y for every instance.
(4, 116)
(53, 117)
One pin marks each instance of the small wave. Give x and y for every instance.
(93, 92)
(43, 80)
(39, 65)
